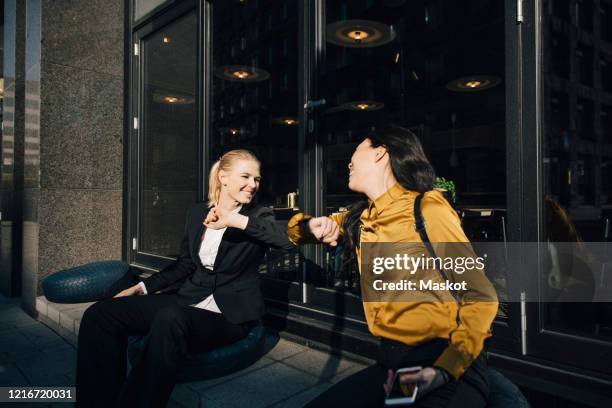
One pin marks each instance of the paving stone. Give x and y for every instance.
(33, 354)
(68, 335)
(74, 317)
(348, 372)
(321, 365)
(66, 321)
(6, 299)
(14, 346)
(41, 305)
(55, 309)
(206, 403)
(263, 387)
(185, 396)
(56, 345)
(77, 325)
(284, 349)
(71, 377)
(301, 399)
(38, 334)
(11, 376)
(57, 366)
(203, 385)
(16, 356)
(16, 317)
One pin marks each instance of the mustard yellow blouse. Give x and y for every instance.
(466, 324)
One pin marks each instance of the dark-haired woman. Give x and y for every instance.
(442, 335)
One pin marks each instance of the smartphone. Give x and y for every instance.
(402, 393)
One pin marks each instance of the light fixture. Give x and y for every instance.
(364, 105)
(241, 73)
(473, 83)
(166, 40)
(359, 33)
(285, 121)
(172, 98)
(233, 131)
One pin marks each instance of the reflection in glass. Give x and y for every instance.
(142, 7)
(359, 33)
(576, 157)
(439, 72)
(255, 101)
(168, 135)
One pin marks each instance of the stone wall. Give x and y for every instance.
(74, 137)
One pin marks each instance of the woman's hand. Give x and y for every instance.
(131, 291)
(325, 230)
(428, 379)
(219, 218)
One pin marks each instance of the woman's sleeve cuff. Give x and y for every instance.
(298, 230)
(454, 361)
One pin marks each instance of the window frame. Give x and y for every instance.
(520, 340)
(542, 342)
(134, 115)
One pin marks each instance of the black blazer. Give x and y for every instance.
(235, 278)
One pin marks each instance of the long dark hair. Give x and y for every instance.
(409, 165)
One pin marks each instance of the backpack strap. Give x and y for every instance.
(420, 224)
(422, 230)
(357, 233)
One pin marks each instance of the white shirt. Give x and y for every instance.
(208, 253)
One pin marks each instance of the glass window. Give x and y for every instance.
(584, 15)
(605, 16)
(169, 168)
(606, 70)
(576, 165)
(606, 121)
(255, 101)
(559, 62)
(436, 67)
(584, 57)
(559, 8)
(585, 119)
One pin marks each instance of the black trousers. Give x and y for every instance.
(172, 330)
(365, 388)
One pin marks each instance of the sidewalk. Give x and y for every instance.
(32, 354)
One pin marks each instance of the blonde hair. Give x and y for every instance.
(225, 163)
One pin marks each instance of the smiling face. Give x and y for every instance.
(364, 165)
(241, 182)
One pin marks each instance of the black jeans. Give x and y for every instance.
(172, 330)
(365, 388)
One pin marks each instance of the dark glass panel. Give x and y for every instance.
(584, 60)
(255, 101)
(437, 68)
(169, 135)
(584, 15)
(576, 158)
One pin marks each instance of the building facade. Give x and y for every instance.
(113, 112)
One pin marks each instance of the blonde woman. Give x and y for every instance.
(223, 244)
